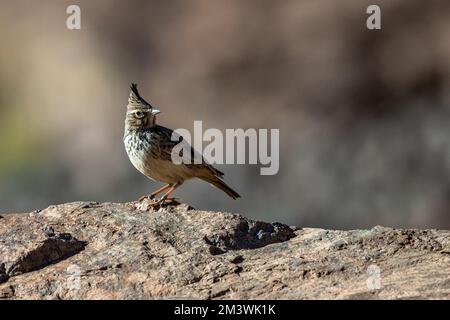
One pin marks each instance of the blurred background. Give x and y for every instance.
(364, 116)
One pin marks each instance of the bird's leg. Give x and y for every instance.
(166, 196)
(155, 193)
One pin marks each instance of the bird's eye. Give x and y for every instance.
(139, 114)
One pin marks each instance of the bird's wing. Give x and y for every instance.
(167, 139)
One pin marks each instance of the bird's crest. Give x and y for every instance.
(135, 99)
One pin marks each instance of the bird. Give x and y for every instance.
(149, 148)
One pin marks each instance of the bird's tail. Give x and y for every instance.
(220, 184)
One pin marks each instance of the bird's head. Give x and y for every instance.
(140, 113)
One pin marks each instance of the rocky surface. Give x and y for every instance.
(131, 251)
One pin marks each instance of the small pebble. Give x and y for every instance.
(237, 259)
(89, 205)
(215, 250)
(49, 231)
(65, 236)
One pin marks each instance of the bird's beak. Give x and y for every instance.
(155, 111)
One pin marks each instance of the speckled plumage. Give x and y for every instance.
(149, 148)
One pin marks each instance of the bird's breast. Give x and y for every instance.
(144, 153)
(138, 148)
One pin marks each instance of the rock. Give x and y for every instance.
(131, 251)
(26, 246)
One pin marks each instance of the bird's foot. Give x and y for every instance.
(146, 202)
(152, 204)
(164, 202)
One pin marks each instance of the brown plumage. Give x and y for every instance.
(149, 148)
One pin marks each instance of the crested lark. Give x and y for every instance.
(149, 148)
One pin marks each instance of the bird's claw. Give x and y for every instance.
(156, 204)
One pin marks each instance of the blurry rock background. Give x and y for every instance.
(363, 115)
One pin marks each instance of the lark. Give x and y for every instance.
(149, 148)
